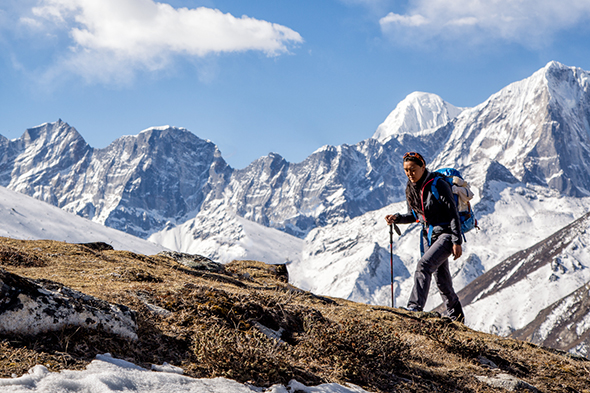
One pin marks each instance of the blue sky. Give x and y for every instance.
(263, 76)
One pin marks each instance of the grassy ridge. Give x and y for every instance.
(221, 324)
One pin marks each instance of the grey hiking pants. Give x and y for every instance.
(435, 261)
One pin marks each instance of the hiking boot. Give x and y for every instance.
(456, 313)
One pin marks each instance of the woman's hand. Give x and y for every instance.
(457, 251)
(391, 219)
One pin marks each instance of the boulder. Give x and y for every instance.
(30, 307)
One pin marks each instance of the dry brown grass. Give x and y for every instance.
(210, 329)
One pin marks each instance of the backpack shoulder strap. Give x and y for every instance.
(433, 188)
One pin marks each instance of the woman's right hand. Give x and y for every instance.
(391, 219)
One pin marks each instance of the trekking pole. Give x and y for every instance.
(391, 226)
(391, 262)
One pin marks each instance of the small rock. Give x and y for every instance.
(487, 362)
(194, 261)
(98, 246)
(153, 307)
(270, 333)
(507, 382)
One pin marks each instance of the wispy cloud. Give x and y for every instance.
(113, 39)
(531, 23)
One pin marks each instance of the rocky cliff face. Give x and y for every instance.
(331, 185)
(45, 161)
(158, 176)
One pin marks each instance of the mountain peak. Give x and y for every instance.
(553, 65)
(163, 128)
(417, 112)
(50, 131)
(560, 79)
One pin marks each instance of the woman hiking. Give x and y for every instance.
(440, 236)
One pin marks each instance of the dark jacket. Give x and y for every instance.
(439, 212)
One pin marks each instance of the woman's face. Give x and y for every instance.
(413, 171)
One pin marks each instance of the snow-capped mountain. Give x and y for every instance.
(137, 184)
(417, 113)
(537, 128)
(511, 149)
(165, 176)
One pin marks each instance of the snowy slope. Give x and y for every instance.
(26, 218)
(564, 325)
(222, 236)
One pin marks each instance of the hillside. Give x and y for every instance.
(245, 322)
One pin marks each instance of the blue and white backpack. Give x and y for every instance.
(462, 195)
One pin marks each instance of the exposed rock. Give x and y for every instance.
(155, 309)
(270, 333)
(486, 362)
(197, 262)
(30, 307)
(507, 382)
(98, 246)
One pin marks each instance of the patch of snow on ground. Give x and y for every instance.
(109, 375)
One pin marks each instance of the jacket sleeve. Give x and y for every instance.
(406, 218)
(448, 201)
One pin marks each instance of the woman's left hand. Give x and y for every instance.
(457, 251)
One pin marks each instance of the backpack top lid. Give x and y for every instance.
(449, 172)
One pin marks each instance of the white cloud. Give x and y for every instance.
(112, 39)
(404, 20)
(527, 22)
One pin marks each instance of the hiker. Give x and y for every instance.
(440, 236)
